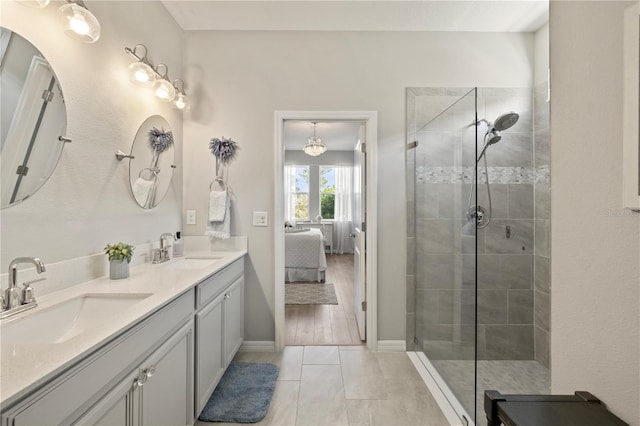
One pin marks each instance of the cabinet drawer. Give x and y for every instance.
(78, 388)
(214, 285)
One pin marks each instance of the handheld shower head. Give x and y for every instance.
(493, 137)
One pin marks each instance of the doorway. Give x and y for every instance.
(355, 287)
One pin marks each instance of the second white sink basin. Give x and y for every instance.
(65, 320)
(194, 262)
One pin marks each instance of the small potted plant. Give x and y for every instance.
(119, 257)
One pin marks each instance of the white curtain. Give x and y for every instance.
(290, 194)
(342, 224)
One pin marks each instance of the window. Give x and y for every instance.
(327, 192)
(302, 192)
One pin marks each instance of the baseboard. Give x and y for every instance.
(258, 346)
(392, 346)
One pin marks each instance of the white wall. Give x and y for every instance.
(595, 263)
(87, 202)
(243, 77)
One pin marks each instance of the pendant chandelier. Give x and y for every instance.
(314, 146)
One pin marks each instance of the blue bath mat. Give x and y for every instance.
(243, 394)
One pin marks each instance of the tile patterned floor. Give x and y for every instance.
(526, 377)
(346, 386)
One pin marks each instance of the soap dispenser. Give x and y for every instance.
(177, 245)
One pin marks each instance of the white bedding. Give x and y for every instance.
(304, 258)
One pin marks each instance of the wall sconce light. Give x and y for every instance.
(141, 72)
(182, 101)
(79, 23)
(38, 4)
(144, 74)
(163, 88)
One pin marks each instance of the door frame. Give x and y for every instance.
(370, 118)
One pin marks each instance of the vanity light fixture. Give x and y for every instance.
(144, 74)
(38, 4)
(79, 23)
(163, 88)
(314, 146)
(181, 102)
(141, 72)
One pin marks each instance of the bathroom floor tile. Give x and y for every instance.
(362, 376)
(346, 385)
(321, 355)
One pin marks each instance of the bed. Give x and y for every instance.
(304, 258)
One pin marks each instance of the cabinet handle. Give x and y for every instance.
(227, 296)
(139, 381)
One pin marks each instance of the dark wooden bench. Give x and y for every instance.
(581, 409)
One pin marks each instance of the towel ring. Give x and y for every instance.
(220, 181)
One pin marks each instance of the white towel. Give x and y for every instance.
(143, 190)
(217, 205)
(221, 229)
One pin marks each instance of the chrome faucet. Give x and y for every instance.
(162, 254)
(15, 300)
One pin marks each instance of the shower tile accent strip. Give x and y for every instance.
(503, 175)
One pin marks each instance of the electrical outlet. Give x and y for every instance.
(191, 217)
(260, 219)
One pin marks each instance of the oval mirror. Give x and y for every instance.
(33, 119)
(151, 168)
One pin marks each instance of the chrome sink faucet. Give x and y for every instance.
(16, 300)
(162, 254)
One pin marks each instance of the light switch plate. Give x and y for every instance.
(191, 217)
(260, 219)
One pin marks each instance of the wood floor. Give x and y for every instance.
(326, 324)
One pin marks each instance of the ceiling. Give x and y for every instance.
(338, 136)
(360, 15)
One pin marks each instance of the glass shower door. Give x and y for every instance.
(445, 244)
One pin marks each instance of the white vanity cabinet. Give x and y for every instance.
(233, 319)
(160, 371)
(219, 328)
(158, 392)
(100, 389)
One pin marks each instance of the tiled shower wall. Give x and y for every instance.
(440, 271)
(542, 224)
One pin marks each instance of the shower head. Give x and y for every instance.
(505, 121)
(493, 137)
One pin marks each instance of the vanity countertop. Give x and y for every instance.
(26, 365)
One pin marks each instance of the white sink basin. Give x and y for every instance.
(65, 320)
(194, 262)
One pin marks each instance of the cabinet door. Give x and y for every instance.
(209, 352)
(116, 408)
(233, 319)
(166, 392)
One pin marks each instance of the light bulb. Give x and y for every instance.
(79, 23)
(165, 90)
(142, 74)
(181, 101)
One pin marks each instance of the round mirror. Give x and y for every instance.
(152, 166)
(33, 119)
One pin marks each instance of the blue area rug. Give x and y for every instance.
(243, 394)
